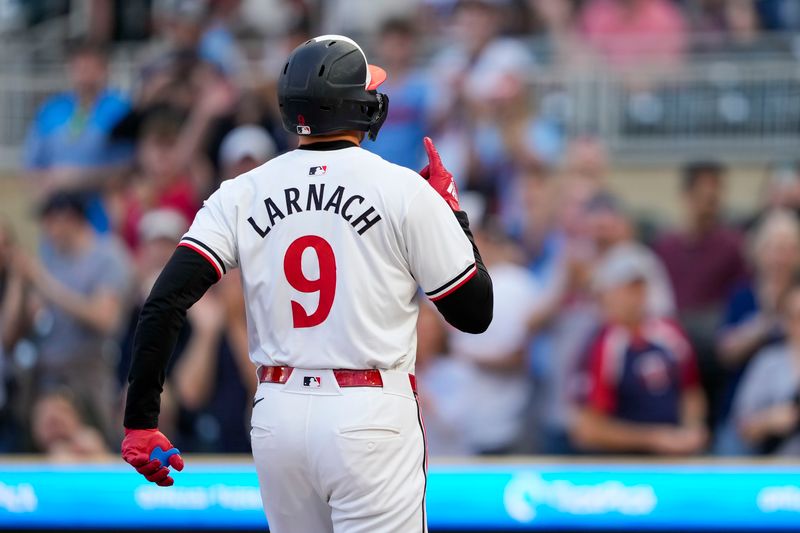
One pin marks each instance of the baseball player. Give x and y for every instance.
(333, 244)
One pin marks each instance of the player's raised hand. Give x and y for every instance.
(439, 177)
(151, 454)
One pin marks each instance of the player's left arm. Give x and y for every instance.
(469, 307)
(466, 298)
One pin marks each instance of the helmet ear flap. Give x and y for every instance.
(379, 117)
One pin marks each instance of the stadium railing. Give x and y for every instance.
(741, 107)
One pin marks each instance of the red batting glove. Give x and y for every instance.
(145, 449)
(439, 177)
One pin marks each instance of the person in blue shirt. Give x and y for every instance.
(399, 141)
(69, 144)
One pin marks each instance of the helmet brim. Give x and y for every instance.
(376, 76)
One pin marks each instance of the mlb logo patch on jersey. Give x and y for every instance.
(317, 171)
(313, 382)
(303, 130)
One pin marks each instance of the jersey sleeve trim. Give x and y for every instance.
(453, 284)
(206, 253)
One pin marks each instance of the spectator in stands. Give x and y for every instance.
(179, 25)
(273, 18)
(643, 393)
(69, 144)
(634, 34)
(494, 385)
(766, 409)
(559, 43)
(80, 286)
(609, 227)
(399, 141)
(569, 315)
(119, 20)
(744, 38)
(704, 259)
(218, 43)
(751, 321)
(160, 181)
(591, 225)
(359, 18)
(179, 80)
(276, 50)
(10, 283)
(532, 219)
(587, 161)
(11, 294)
(244, 149)
(706, 20)
(705, 262)
(571, 325)
(60, 433)
(781, 190)
(779, 15)
(509, 137)
(468, 71)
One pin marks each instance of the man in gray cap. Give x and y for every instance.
(642, 393)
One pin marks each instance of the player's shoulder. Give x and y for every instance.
(372, 158)
(390, 174)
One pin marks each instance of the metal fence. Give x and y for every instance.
(741, 111)
(721, 107)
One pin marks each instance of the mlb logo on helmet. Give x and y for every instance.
(313, 382)
(316, 171)
(302, 129)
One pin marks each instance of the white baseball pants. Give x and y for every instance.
(343, 460)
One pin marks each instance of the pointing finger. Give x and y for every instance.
(433, 155)
(430, 148)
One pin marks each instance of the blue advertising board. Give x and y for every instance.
(523, 496)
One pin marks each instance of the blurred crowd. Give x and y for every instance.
(609, 336)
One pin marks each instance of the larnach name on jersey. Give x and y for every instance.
(316, 198)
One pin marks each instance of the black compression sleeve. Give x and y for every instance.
(469, 308)
(185, 278)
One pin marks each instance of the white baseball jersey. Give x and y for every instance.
(332, 246)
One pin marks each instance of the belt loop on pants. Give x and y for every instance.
(344, 377)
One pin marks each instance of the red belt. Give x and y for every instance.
(345, 378)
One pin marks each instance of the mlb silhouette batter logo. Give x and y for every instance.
(302, 129)
(317, 171)
(313, 382)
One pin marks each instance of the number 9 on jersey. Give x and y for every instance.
(325, 285)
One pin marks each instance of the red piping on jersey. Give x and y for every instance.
(205, 255)
(456, 286)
